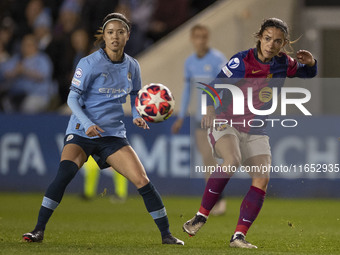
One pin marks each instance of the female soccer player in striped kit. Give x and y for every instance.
(261, 69)
(99, 87)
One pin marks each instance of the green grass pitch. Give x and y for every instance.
(284, 226)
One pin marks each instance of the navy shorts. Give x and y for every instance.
(98, 148)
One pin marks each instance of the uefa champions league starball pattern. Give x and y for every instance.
(154, 102)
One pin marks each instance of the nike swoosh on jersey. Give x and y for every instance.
(253, 71)
(213, 192)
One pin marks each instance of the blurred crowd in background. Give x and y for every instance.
(41, 42)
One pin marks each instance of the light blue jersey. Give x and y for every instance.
(197, 70)
(103, 86)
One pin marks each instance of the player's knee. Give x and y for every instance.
(261, 183)
(141, 181)
(232, 160)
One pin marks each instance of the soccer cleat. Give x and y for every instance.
(193, 225)
(34, 236)
(239, 242)
(170, 239)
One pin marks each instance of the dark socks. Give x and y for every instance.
(67, 171)
(155, 207)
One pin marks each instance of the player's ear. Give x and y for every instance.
(128, 36)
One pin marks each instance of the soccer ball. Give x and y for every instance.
(154, 102)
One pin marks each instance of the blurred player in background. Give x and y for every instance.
(99, 87)
(203, 65)
(242, 144)
(91, 179)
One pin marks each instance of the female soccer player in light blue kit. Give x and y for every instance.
(201, 66)
(99, 87)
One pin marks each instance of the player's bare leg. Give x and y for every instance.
(252, 203)
(127, 163)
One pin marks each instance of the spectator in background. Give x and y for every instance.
(68, 21)
(35, 13)
(141, 12)
(42, 31)
(69, 17)
(80, 45)
(92, 13)
(28, 79)
(167, 16)
(4, 56)
(7, 34)
(138, 40)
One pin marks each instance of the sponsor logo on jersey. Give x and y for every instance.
(78, 73)
(234, 63)
(113, 92)
(69, 137)
(76, 82)
(266, 94)
(227, 72)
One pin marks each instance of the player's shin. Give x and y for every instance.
(155, 207)
(67, 170)
(250, 208)
(213, 190)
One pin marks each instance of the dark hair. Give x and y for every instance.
(198, 27)
(115, 16)
(275, 22)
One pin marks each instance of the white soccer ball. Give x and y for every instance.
(154, 102)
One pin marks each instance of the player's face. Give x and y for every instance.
(272, 42)
(200, 39)
(115, 36)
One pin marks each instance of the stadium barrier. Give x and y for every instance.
(305, 158)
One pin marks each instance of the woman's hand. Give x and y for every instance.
(177, 126)
(208, 119)
(305, 57)
(140, 122)
(94, 130)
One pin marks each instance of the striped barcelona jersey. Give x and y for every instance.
(245, 70)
